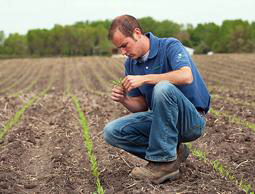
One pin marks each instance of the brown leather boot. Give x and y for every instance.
(157, 172)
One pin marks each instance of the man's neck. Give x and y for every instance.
(146, 44)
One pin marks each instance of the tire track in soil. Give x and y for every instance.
(45, 153)
(115, 165)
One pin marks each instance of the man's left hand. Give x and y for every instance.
(133, 81)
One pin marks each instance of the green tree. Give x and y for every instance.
(235, 36)
(167, 28)
(1, 37)
(16, 44)
(102, 45)
(204, 37)
(37, 42)
(148, 24)
(58, 39)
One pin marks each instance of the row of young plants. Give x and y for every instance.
(233, 119)
(220, 169)
(88, 143)
(16, 118)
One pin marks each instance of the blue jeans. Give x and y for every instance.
(154, 135)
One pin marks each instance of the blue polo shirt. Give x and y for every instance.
(168, 54)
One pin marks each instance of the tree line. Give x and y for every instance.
(90, 38)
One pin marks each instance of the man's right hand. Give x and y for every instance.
(119, 94)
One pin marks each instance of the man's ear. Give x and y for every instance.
(137, 34)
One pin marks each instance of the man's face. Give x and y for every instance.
(127, 45)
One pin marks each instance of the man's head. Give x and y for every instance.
(127, 35)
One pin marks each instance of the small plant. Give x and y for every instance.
(219, 168)
(117, 82)
(89, 145)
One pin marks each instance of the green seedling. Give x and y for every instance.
(117, 82)
(15, 119)
(221, 170)
(233, 119)
(89, 145)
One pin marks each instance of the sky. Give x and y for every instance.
(22, 15)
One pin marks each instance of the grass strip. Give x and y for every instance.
(15, 119)
(89, 145)
(233, 119)
(221, 170)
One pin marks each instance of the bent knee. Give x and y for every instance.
(163, 91)
(164, 87)
(108, 133)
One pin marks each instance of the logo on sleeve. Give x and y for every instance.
(179, 57)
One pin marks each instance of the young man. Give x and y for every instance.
(167, 96)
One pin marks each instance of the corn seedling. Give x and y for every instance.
(89, 145)
(15, 119)
(234, 119)
(117, 82)
(220, 169)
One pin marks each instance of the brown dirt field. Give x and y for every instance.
(44, 151)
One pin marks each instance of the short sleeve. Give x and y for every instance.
(178, 56)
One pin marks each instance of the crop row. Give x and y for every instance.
(14, 119)
(86, 133)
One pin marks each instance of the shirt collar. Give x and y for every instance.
(154, 46)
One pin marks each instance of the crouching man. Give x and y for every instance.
(166, 95)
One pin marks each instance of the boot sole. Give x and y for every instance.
(172, 176)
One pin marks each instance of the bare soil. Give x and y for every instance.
(44, 151)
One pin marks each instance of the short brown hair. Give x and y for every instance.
(125, 24)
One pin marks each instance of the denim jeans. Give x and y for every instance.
(154, 135)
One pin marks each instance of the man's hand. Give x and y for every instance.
(133, 81)
(118, 94)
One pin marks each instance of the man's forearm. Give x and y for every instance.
(135, 104)
(178, 77)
